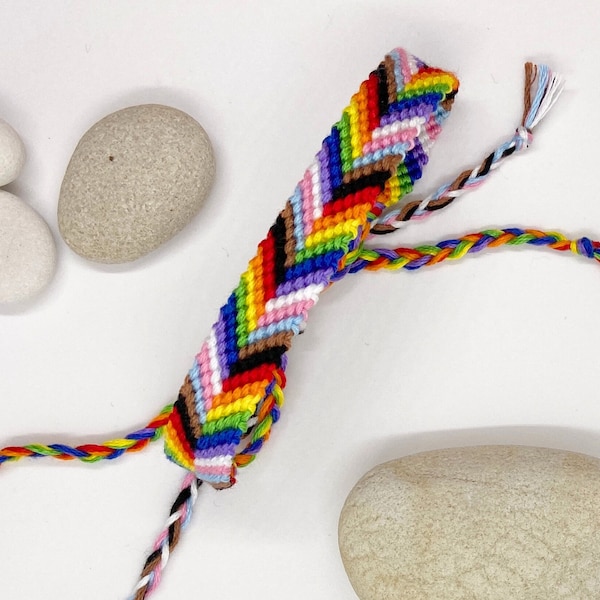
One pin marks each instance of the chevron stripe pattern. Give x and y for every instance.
(233, 393)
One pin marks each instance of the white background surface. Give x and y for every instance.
(495, 349)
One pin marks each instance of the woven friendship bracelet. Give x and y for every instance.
(233, 393)
(371, 158)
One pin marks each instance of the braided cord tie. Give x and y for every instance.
(90, 453)
(411, 259)
(542, 89)
(372, 259)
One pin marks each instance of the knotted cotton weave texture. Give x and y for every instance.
(372, 157)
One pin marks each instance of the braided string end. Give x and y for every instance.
(179, 518)
(543, 87)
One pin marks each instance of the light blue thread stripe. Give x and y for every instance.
(397, 71)
(296, 202)
(290, 324)
(543, 76)
(399, 149)
(195, 376)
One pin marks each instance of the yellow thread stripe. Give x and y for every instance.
(349, 227)
(248, 403)
(251, 389)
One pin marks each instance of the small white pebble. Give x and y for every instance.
(27, 251)
(12, 154)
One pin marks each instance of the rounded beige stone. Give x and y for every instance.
(135, 179)
(478, 523)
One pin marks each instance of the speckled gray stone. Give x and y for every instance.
(27, 251)
(480, 523)
(136, 178)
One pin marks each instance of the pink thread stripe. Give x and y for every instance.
(405, 66)
(214, 469)
(405, 135)
(433, 128)
(293, 310)
(214, 363)
(203, 359)
(307, 202)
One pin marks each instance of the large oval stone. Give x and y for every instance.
(136, 178)
(489, 522)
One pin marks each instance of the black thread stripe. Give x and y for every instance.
(382, 89)
(269, 356)
(186, 423)
(485, 167)
(278, 230)
(375, 179)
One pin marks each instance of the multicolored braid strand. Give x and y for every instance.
(411, 259)
(132, 442)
